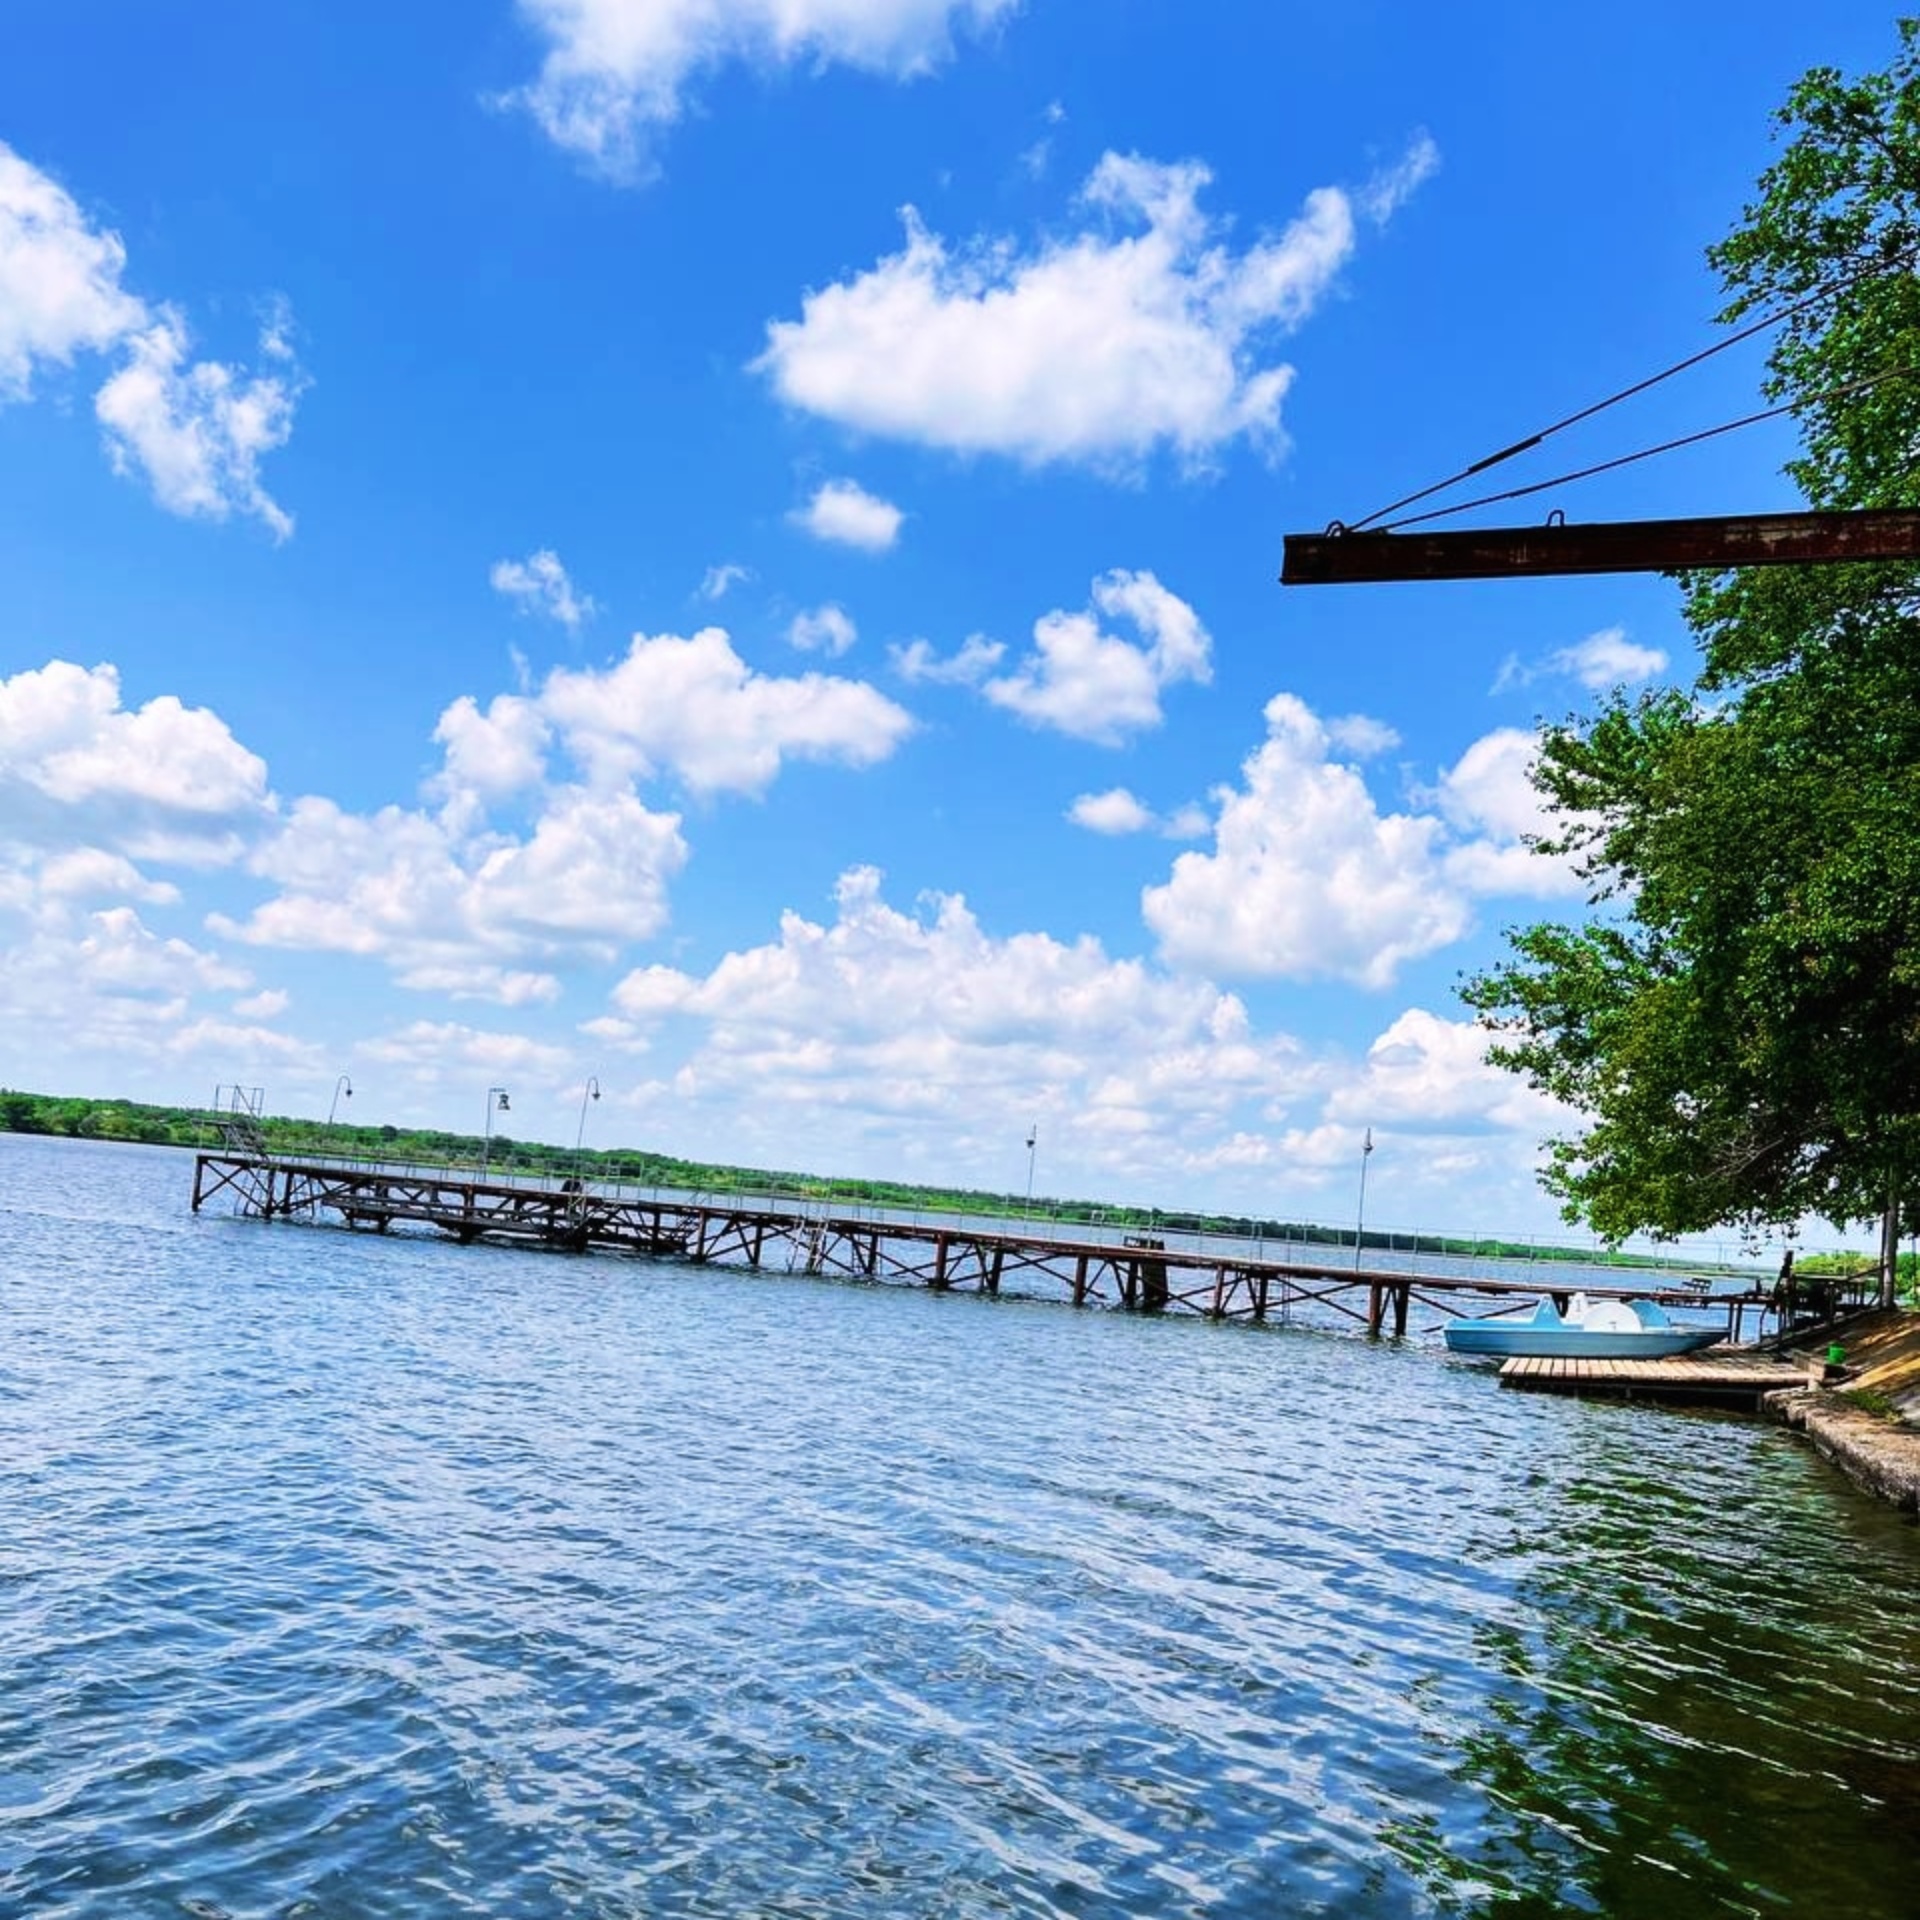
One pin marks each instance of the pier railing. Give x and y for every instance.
(1716, 1265)
(1082, 1264)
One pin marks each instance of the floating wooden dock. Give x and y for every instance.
(1143, 1273)
(1736, 1377)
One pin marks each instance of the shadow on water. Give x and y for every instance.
(1683, 1718)
(345, 1577)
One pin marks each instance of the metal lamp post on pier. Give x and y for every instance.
(340, 1086)
(1033, 1138)
(1360, 1220)
(591, 1091)
(496, 1100)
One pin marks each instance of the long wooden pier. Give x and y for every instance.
(1139, 1273)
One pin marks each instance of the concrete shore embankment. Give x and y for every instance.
(1878, 1450)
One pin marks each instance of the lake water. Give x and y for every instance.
(343, 1577)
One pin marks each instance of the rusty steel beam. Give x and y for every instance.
(1142, 1272)
(1607, 546)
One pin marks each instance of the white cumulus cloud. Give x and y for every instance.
(616, 72)
(118, 953)
(1117, 812)
(1600, 661)
(896, 1023)
(195, 431)
(1423, 1070)
(60, 291)
(1489, 797)
(1144, 330)
(1308, 878)
(1610, 659)
(452, 902)
(825, 630)
(436, 1051)
(966, 666)
(91, 990)
(164, 780)
(491, 754)
(1088, 682)
(908, 1041)
(1114, 812)
(1362, 736)
(92, 873)
(844, 512)
(539, 584)
(693, 709)
(469, 913)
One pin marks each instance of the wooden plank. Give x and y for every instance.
(1681, 1377)
(1608, 546)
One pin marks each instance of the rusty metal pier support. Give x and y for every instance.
(1138, 1273)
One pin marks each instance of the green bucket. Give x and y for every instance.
(1835, 1355)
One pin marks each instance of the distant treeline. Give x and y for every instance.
(202, 1127)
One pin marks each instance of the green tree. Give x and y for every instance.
(1739, 1026)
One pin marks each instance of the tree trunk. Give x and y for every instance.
(1889, 1247)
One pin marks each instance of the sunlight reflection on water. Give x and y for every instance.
(344, 1576)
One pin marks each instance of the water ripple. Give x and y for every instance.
(347, 1577)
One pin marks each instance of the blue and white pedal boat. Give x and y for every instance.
(1588, 1330)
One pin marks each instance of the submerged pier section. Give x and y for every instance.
(1084, 1267)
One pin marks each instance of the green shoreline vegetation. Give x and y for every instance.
(1732, 1024)
(74, 1117)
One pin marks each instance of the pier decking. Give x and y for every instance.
(1078, 1266)
(1738, 1377)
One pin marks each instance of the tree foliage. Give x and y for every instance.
(1739, 1027)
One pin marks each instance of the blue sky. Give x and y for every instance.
(729, 547)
